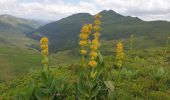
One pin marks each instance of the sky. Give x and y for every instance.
(57, 9)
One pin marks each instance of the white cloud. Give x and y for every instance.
(56, 9)
(43, 10)
(146, 9)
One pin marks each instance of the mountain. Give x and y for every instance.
(8, 22)
(63, 34)
(13, 29)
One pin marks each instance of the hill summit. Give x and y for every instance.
(63, 34)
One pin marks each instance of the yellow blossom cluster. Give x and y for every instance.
(95, 42)
(84, 35)
(119, 54)
(44, 46)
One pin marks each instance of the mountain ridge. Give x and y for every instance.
(13, 30)
(63, 34)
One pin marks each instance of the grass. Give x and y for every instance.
(15, 61)
(145, 75)
(16, 38)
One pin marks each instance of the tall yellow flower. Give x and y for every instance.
(84, 35)
(119, 54)
(95, 42)
(44, 51)
(44, 46)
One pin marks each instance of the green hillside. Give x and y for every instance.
(144, 76)
(131, 69)
(17, 61)
(13, 30)
(63, 34)
(16, 55)
(10, 23)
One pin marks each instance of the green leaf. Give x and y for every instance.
(110, 85)
(95, 90)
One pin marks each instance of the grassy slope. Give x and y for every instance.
(145, 76)
(15, 61)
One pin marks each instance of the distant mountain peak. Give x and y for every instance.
(108, 11)
(7, 16)
(80, 15)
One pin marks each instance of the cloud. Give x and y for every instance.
(56, 9)
(146, 9)
(45, 9)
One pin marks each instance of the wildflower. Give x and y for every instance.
(83, 52)
(93, 54)
(98, 16)
(96, 28)
(85, 29)
(44, 52)
(119, 54)
(44, 46)
(93, 74)
(45, 61)
(44, 40)
(83, 42)
(96, 34)
(93, 63)
(90, 26)
(95, 42)
(93, 47)
(84, 36)
(97, 22)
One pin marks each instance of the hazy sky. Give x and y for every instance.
(57, 9)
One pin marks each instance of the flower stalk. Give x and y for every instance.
(95, 42)
(84, 35)
(44, 52)
(119, 54)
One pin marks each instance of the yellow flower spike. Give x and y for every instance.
(93, 74)
(83, 52)
(83, 42)
(96, 28)
(85, 29)
(94, 47)
(44, 40)
(84, 36)
(44, 46)
(96, 34)
(97, 16)
(90, 27)
(97, 22)
(93, 54)
(119, 54)
(93, 63)
(45, 62)
(44, 52)
(95, 42)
